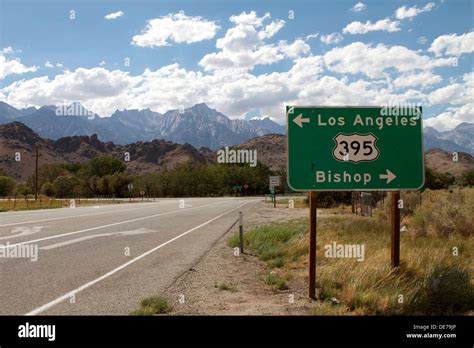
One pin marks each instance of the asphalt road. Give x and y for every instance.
(105, 259)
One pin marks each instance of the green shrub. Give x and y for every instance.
(445, 214)
(446, 289)
(276, 281)
(153, 305)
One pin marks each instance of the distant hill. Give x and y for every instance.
(199, 125)
(271, 150)
(144, 156)
(442, 161)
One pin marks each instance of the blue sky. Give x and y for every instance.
(240, 57)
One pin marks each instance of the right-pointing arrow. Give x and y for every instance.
(389, 176)
(299, 120)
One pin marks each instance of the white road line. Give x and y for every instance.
(81, 239)
(108, 274)
(68, 217)
(109, 225)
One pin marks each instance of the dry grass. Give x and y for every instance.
(231, 286)
(44, 202)
(431, 279)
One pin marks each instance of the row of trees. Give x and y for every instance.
(436, 180)
(106, 177)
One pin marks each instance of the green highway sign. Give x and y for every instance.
(355, 148)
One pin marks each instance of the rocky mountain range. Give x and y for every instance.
(460, 138)
(16, 138)
(199, 125)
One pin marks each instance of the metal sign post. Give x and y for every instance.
(312, 244)
(395, 226)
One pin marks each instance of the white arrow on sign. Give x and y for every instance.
(299, 120)
(389, 176)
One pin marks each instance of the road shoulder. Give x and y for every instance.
(222, 283)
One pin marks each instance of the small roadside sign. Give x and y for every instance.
(275, 180)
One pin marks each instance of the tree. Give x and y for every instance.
(102, 166)
(435, 180)
(47, 173)
(7, 185)
(118, 184)
(63, 186)
(468, 177)
(23, 190)
(47, 189)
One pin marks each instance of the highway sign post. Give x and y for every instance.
(354, 149)
(130, 189)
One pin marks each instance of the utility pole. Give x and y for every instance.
(36, 172)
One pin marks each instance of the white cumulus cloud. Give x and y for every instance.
(13, 66)
(359, 57)
(114, 15)
(451, 118)
(453, 45)
(360, 6)
(363, 28)
(178, 28)
(84, 85)
(312, 36)
(295, 49)
(455, 93)
(424, 78)
(410, 12)
(244, 45)
(333, 38)
(460, 96)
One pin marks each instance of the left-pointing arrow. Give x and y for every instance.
(299, 120)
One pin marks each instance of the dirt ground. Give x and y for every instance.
(197, 291)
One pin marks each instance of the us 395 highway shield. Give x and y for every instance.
(355, 148)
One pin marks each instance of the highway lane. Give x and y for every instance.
(105, 263)
(20, 229)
